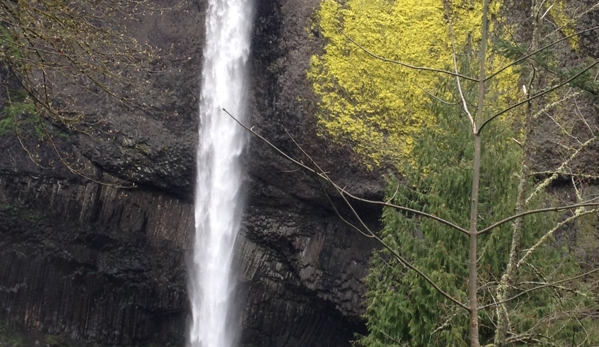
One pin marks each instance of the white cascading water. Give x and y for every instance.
(217, 205)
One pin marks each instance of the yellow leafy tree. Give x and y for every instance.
(378, 106)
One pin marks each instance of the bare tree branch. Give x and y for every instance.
(340, 190)
(540, 287)
(540, 210)
(319, 174)
(539, 94)
(406, 65)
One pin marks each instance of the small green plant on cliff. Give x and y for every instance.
(21, 114)
(16, 105)
(7, 125)
(10, 338)
(52, 340)
(8, 209)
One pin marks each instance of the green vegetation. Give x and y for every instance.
(376, 106)
(53, 340)
(18, 114)
(8, 208)
(14, 213)
(440, 91)
(17, 105)
(7, 125)
(403, 307)
(10, 338)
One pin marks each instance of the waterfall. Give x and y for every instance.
(217, 205)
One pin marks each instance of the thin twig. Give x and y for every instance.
(538, 95)
(406, 65)
(540, 287)
(540, 210)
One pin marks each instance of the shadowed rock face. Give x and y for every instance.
(92, 262)
(105, 264)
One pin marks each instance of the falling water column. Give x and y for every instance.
(217, 210)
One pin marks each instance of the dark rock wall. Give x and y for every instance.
(312, 263)
(101, 263)
(106, 264)
(92, 262)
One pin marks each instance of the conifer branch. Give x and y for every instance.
(322, 174)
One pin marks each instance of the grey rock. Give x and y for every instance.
(105, 264)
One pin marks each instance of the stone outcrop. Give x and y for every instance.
(86, 257)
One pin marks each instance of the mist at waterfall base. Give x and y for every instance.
(219, 178)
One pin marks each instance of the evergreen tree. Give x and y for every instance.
(468, 256)
(405, 309)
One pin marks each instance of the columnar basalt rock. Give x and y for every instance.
(100, 263)
(105, 264)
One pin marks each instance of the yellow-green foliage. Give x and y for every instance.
(563, 20)
(375, 106)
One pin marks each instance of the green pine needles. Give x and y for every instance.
(404, 309)
(444, 92)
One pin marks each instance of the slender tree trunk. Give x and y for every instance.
(472, 263)
(503, 289)
(472, 268)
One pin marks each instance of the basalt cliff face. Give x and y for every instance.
(85, 256)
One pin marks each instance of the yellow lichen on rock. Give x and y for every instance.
(378, 106)
(563, 20)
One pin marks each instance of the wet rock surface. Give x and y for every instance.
(106, 264)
